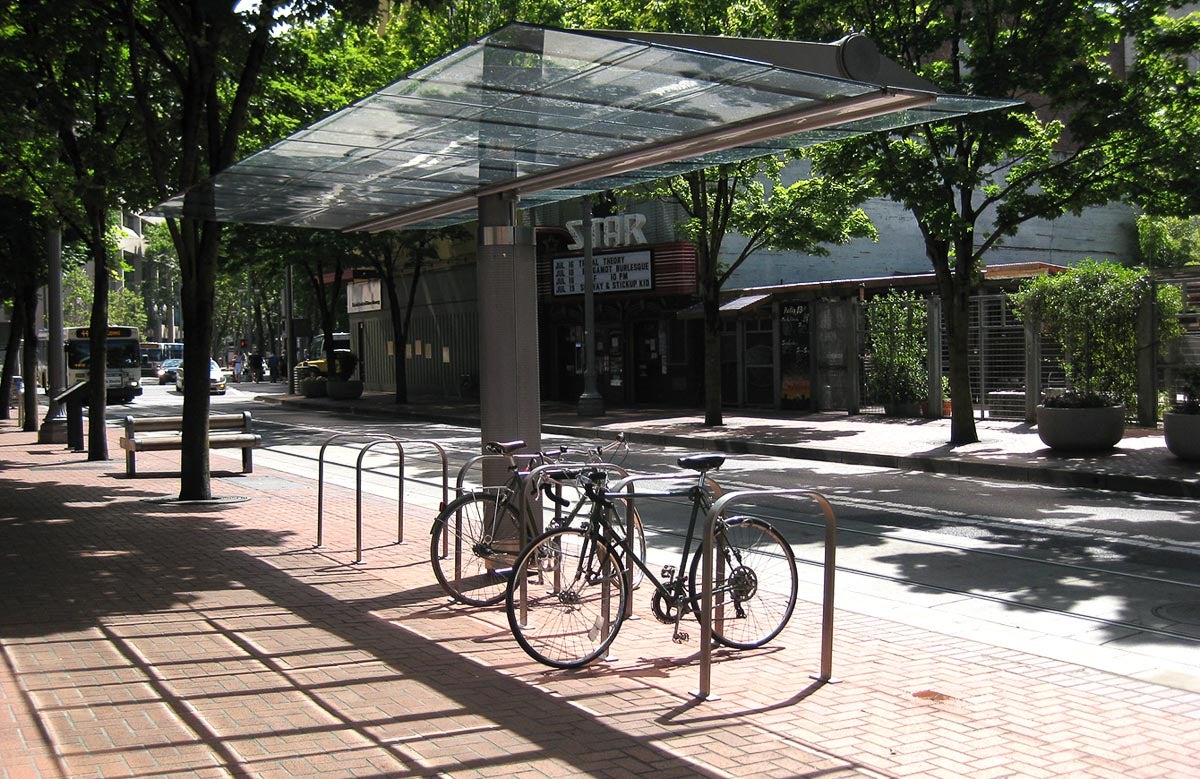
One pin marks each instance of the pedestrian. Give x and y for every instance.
(273, 366)
(256, 366)
(238, 365)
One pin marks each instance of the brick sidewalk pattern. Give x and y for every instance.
(141, 637)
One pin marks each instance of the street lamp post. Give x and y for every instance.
(54, 427)
(591, 402)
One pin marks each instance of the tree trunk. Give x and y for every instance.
(712, 364)
(29, 360)
(962, 413)
(956, 286)
(200, 244)
(10, 357)
(98, 341)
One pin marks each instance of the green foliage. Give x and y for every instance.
(1092, 311)
(1189, 385)
(897, 343)
(1168, 242)
(125, 306)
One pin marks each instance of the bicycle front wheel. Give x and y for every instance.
(567, 598)
(754, 582)
(474, 543)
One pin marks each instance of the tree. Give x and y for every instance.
(1089, 135)
(125, 306)
(746, 197)
(749, 198)
(21, 273)
(196, 66)
(399, 260)
(65, 69)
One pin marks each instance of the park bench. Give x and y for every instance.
(156, 434)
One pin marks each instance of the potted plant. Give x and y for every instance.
(339, 385)
(896, 373)
(1181, 425)
(1092, 311)
(311, 384)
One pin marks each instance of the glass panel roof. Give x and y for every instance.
(551, 114)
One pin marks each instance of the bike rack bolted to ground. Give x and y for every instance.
(704, 692)
(370, 441)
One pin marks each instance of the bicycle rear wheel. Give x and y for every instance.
(474, 543)
(754, 583)
(567, 598)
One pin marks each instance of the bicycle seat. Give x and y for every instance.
(702, 462)
(503, 447)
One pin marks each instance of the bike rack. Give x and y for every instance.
(704, 692)
(469, 465)
(373, 440)
(625, 478)
(459, 491)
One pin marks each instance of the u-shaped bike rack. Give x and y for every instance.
(370, 441)
(704, 692)
(524, 498)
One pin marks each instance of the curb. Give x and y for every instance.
(1054, 477)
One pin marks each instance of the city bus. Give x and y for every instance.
(123, 377)
(153, 355)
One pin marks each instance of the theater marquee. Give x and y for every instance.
(625, 272)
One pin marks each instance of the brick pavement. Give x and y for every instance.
(145, 638)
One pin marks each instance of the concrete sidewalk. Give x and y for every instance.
(145, 637)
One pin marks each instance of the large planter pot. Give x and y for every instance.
(312, 388)
(344, 390)
(1182, 434)
(902, 408)
(1081, 429)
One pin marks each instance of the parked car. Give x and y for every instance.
(216, 378)
(166, 371)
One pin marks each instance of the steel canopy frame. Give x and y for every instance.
(686, 147)
(554, 114)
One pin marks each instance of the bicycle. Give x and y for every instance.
(567, 598)
(475, 539)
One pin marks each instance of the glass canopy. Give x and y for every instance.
(551, 114)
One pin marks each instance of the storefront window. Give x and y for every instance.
(795, 391)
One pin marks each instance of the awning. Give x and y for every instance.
(730, 308)
(548, 115)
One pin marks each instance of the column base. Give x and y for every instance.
(53, 431)
(591, 405)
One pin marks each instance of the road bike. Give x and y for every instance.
(570, 587)
(475, 539)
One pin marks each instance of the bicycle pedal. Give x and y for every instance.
(681, 638)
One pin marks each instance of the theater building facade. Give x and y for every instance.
(786, 345)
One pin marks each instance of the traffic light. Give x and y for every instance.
(242, 343)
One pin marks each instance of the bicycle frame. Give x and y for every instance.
(674, 591)
(517, 503)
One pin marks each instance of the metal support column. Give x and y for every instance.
(509, 384)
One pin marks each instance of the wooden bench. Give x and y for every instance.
(165, 433)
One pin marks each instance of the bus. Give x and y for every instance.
(123, 375)
(153, 355)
